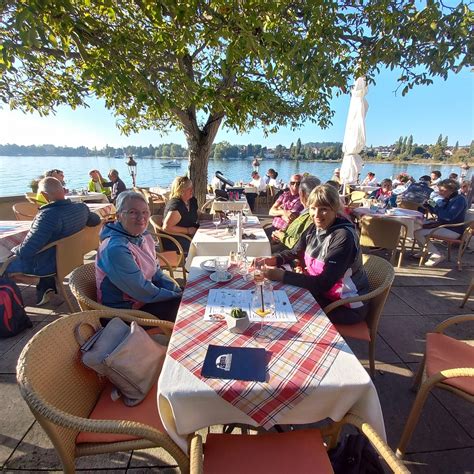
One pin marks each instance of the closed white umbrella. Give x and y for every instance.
(354, 136)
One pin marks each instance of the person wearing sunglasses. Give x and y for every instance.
(127, 273)
(287, 207)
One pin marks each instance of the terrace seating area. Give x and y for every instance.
(420, 298)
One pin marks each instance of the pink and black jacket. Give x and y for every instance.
(333, 262)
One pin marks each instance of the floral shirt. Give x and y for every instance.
(287, 202)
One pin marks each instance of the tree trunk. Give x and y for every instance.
(199, 146)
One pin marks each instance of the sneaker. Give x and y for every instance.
(44, 298)
(435, 260)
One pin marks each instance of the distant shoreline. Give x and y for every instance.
(262, 161)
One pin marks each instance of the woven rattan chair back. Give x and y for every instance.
(413, 206)
(25, 211)
(82, 283)
(157, 223)
(356, 198)
(383, 232)
(380, 274)
(61, 392)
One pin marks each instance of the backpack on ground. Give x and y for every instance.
(13, 317)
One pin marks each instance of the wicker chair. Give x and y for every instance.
(381, 275)
(294, 451)
(170, 259)
(463, 241)
(65, 396)
(70, 253)
(447, 364)
(157, 224)
(384, 232)
(356, 198)
(206, 207)
(468, 293)
(82, 283)
(25, 211)
(411, 205)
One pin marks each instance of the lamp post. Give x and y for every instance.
(132, 168)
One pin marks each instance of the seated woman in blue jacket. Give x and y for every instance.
(451, 209)
(127, 273)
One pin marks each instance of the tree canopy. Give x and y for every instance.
(194, 64)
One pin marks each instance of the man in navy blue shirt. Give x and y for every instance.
(451, 209)
(58, 219)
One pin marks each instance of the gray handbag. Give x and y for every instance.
(126, 355)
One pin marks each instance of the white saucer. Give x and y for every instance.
(226, 277)
(209, 265)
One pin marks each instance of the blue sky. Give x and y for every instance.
(445, 107)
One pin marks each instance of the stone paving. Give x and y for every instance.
(443, 441)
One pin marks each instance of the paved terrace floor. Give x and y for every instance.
(443, 441)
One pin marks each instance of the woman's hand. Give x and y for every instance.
(270, 261)
(274, 274)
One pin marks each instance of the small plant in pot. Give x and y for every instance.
(237, 320)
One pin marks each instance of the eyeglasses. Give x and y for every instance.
(134, 214)
(295, 183)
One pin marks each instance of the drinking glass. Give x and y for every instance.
(263, 305)
(216, 220)
(222, 263)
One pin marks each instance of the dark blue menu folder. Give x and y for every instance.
(239, 363)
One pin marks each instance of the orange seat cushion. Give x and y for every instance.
(295, 451)
(356, 331)
(444, 352)
(145, 412)
(172, 257)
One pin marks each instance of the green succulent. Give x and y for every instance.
(238, 313)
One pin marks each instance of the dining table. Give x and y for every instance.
(311, 373)
(237, 205)
(102, 209)
(12, 233)
(87, 196)
(210, 240)
(411, 218)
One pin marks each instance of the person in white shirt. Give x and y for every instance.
(271, 178)
(370, 180)
(258, 183)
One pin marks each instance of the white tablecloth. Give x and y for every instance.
(90, 196)
(187, 404)
(412, 219)
(226, 206)
(12, 234)
(209, 242)
(102, 209)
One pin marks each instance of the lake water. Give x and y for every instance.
(16, 172)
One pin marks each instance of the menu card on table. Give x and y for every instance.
(238, 363)
(221, 302)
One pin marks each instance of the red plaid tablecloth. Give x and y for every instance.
(300, 353)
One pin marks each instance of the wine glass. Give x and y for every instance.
(216, 220)
(258, 271)
(263, 305)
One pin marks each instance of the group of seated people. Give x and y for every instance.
(97, 183)
(314, 244)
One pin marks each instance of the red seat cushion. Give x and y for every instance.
(145, 412)
(356, 331)
(296, 451)
(444, 352)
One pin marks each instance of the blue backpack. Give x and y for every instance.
(13, 317)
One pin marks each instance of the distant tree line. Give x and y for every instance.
(404, 149)
(166, 150)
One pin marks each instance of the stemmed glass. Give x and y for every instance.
(263, 302)
(216, 220)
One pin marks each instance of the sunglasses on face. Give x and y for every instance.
(295, 183)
